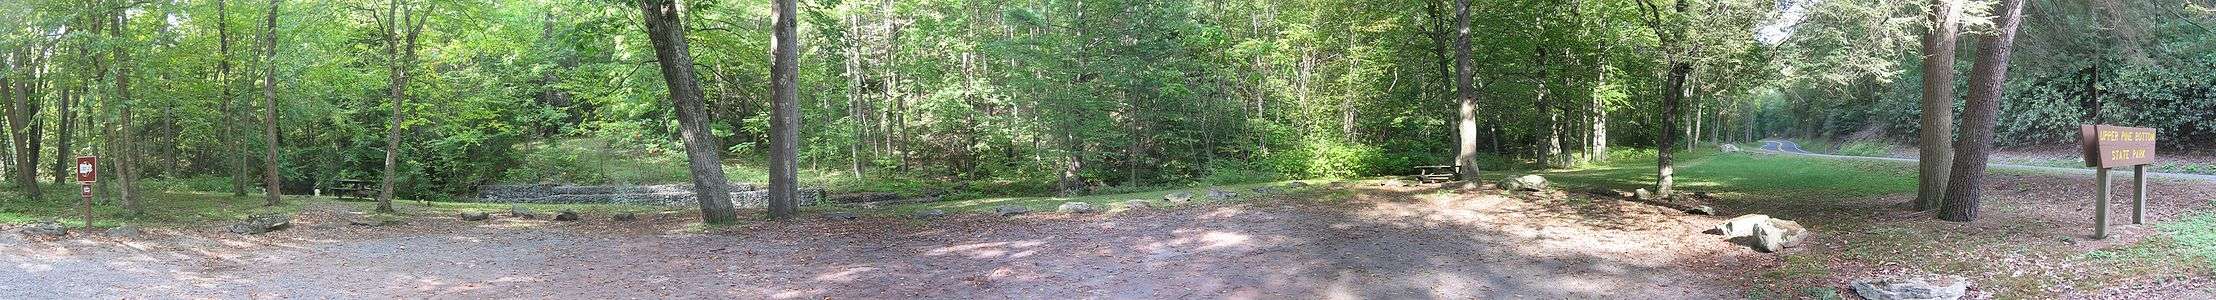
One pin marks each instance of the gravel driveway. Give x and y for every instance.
(1394, 243)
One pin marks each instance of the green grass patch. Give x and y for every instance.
(1747, 173)
(161, 208)
(2194, 235)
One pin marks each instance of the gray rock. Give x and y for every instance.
(125, 231)
(476, 216)
(1295, 185)
(1740, 226)
(840, 215)
(930, 214)
(1076, 208)
(519, 212)
(48, 228)
(1010, 210)
(1336, 185)
(1267, 190)
(1729, 148)
(1912, 288)
(1178, 197)
(262, 224)
(626, 217)
(1137, 204)
(1216, 194)
(1524, 183)
(1778, 234)
(566, 215)
(1642, 194)
(1702, 210)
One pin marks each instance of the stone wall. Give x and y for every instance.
(742, 195)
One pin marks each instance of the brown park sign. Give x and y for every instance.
(2116, 146)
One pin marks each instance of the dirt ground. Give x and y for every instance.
(1367, 242)
(1396, 243)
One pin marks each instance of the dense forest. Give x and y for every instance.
(1027, 96)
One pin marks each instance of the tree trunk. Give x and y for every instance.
(784, 142)
(272, 183)
(1934, 154)
(1987, 75)
(124, 143)
(1673, 91)
(19, 113)
(1465, 158)
(666, 28)
(62, 151)
(401, 15)
(225, 111)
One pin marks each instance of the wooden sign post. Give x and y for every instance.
(2108, 147)
(86, 174)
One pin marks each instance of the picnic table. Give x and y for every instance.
(359, 189)
(1435, 174)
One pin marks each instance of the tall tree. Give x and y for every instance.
(1934, 155)
(1465, 158)
(401, 24)
(1987, 76)
(226, 110)
(1673, 88)
(272, 183)
(665, 27)
(785, 116)
(125, 144)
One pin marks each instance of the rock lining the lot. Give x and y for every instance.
(476, 216)
(1076, 208)
(1178, 197)
(1912, 288)
(1524, 183)
(1762, 232)
(1137, 204)
(262, 224)
(566, 215)
(743, 195)
(626, 217)
(48, 228)
(1217, 194)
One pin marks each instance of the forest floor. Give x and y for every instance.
(1361, 241)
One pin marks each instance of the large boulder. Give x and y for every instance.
(1740, 226)
(625, 217)
(1076, 208)
(1215, 194)
(519, 212)
(45, 229)
(1010, 210)
(476, 216)
(262, 224)
(566, 215)
(1778, 234)
(1729, 148)
(1642, 195)
(1912, 288)
(1137, 204)
(840, 216)
(1178, 197)
(1524, 183)
(1268, 190)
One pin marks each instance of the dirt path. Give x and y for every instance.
(1385, 243)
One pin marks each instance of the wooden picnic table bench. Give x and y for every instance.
(1435, 174)
(359, 189)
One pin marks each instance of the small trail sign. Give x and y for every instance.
(85, 171)
(2107, 147)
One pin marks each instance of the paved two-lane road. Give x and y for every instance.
(1788, 147)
